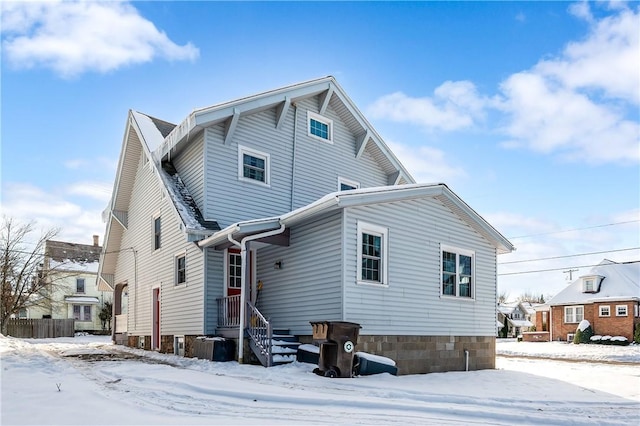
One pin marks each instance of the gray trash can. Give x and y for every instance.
(337, 341)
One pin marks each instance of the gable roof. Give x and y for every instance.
(368, 196)
(62, 255)
(621, 282)
(282, 99)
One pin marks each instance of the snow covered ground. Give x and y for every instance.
(79, 381)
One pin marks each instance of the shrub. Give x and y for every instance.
(583, 333)
(619, 341)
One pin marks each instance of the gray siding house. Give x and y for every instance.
(274, 210)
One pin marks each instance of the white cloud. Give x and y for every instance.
(97, 190)
(549, 118)
(52, 209)
(581, 105)
(73, 37)
(455, 105)
(426, 164)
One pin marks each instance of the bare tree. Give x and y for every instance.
(503, 296)
(22, 276)
(531, 297)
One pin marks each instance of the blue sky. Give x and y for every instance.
(529, 111)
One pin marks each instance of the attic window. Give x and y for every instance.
(346, 184)
(320, 127)
(590, 284)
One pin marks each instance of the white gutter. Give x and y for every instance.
(243, 279)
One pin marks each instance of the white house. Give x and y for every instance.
(71, 270)
(286, 207)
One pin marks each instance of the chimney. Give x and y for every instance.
(96, 240)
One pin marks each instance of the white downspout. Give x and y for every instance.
(243, 280)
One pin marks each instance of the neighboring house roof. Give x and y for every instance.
(67, 256)
(520, 323)
(366, 196)
(621, 282)
(86, 300)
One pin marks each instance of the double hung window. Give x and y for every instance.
(457, 272)
(573, 314)
(253, 166)
(372, 254)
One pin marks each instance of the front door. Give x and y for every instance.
(234, 282)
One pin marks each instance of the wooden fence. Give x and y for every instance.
(41, 328)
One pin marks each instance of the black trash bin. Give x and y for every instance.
(337, 341)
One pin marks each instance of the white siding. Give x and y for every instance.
(181, 307)
(318, 165)
(214, 288)
(411, 304)
(190, 167)
(309, 285)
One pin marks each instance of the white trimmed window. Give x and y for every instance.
(457, 272)
(80, 285)
(346, 184)
(573, 314)
(320, 127)
(157, 232)
(23, 314)
(235, 270)
(373, 254)
(180, 268)
(605, 311)
(253, 166)
(82, 312)
(621, 310)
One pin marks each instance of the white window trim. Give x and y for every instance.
(465, 252)
(626, 311)
(608, 313)
(153, 232)
(364, 227)
(574, 319)
(349, 182)
(175, 268)
(324, 120)
(84, 286)
(254, 153)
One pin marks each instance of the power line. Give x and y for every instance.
(568, 255)
(574, 229)
(554, 269)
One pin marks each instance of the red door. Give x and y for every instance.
(155, 334)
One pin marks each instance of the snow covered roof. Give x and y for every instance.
(621, 282)
(82, 299)
(370, 196)
(65, 256)
(520, 323)
(184, 202)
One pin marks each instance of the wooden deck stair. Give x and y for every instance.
(270, 347)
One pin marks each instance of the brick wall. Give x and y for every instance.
(612, 325)
(430, 354)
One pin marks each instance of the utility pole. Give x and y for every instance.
(570, 272)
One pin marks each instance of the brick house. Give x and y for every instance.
(608, 297)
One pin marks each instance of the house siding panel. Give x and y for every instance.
(411, 304)
(190, 167)
(214, 288)
(151, 268)
(309, 285)
(318, 165)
